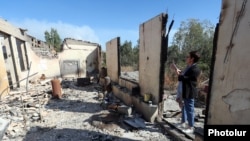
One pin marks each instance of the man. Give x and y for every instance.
(188, 79)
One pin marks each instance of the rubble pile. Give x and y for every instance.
(82, 113)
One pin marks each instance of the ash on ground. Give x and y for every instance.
(82, 113)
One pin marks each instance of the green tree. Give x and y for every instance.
(135, 57)
(193, 35)
(53, 39)
(126, 53)
(129, 57)
(103, 59)
(174, 55)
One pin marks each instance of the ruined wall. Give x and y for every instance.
(230, 93)
(86, 55)
(151, 69)
(8, 28)
(113, 59)
(17, 43)
(12, 38)
(3, 75)
(39, 66)
(150, 58)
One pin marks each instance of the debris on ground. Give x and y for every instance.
(80, 113)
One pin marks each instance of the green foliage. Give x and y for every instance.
(53, 39)
(104, 59)
(135, 57)
(192, 35)
(126, 53)
(129, 56)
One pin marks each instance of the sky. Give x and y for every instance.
(99, 21)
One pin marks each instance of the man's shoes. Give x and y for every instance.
(189, 130)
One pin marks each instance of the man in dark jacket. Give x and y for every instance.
(189, 78)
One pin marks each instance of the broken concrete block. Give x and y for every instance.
(3, 127)
(170, 105)
(123, 109)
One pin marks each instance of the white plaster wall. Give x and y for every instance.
(51, 67)
(39, 66)
(86, 54)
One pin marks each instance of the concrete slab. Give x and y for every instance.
(123, 109)
(150, 58)
(113, 59)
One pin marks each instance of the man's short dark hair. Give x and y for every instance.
(195, 55)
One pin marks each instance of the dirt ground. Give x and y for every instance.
(80, 114)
